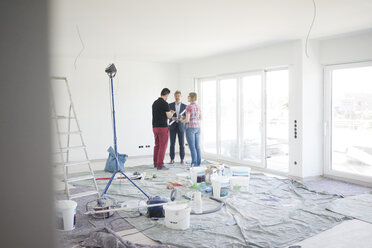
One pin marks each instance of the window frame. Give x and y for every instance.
(218, 157)
(327, 124)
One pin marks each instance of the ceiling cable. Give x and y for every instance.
(82, 49)
(311, 26)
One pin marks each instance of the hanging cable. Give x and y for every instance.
(311, 26)
(83, 46)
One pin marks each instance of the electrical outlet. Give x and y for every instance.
(147, 146)
(295, 129)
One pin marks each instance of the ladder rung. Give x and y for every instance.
(76, 163)
(72, 147)
(66, 133)
(59, 78)
(60, 117)
(82, 178)
(58, 152)
(83, 194)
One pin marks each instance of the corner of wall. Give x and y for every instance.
(312, 111)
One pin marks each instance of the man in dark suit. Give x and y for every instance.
(176, 127)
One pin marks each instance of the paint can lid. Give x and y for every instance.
(175, 207)
(66, 204)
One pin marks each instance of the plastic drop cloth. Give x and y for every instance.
(274, 213)
(359, 207)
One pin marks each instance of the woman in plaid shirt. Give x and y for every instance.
(192, 120)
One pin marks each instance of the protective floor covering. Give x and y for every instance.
(86, 224)
(274, 213)
(336, 187)
(358, 207)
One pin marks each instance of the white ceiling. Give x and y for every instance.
(181, 30)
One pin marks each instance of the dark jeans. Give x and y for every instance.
(174, 131)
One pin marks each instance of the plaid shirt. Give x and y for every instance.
(194, 112)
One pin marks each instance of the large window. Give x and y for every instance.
(245, 118)
(228, 120)
(209, 115)
(251, 92)
(349, 116)
(277, 120)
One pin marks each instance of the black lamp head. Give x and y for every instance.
(111, 70)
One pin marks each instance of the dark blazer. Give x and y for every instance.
(181, 125)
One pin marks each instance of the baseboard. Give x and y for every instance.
(310, 178)
(255, 168)
(348, 180)
(129, 157)
(133, 157)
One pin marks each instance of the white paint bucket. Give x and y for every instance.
(240, 171)
(66, 215)
(177, 216)
(197, 174)
(239, 178)
(221, 186)
(239, 183)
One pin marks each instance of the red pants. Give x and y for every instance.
(161, 142)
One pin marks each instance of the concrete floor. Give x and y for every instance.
(353, 233)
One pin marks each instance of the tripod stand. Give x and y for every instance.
(111, 72)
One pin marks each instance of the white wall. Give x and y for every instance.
(295, 112)
(312, 111)
(346, 49)
(137, 85)
(264, 57)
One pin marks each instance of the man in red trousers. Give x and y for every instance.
(160, 115)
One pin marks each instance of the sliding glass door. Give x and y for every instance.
(277, 120)
(228, 120)
(251, 103)
(349, 121)
(245, 118)
(208, 102)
